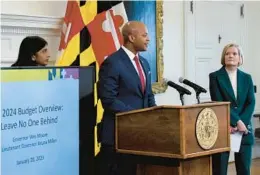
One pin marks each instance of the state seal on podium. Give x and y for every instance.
(207, 128)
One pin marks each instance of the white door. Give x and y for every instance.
(209, 26)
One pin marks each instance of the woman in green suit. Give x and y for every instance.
(233, 85)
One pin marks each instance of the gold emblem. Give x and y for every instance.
(207, 128)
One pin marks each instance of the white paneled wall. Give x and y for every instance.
(35, 8)
(252, 52)
(173, 49)
(252, 56)
(23, 18)
(16, 27)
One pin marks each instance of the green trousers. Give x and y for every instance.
(243, 161)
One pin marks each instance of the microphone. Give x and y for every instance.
(196, 87)
(179, 88)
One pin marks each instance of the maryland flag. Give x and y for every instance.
(91, 32)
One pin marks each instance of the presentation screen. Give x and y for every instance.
(40, 121)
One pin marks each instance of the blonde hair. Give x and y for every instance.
(240, 53)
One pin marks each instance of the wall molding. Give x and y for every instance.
(30, 25)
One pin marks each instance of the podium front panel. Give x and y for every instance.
(191, 145)
(168, 131)
(149, 132)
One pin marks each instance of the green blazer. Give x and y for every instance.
(242, 107)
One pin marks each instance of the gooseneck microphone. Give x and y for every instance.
(179, 88)
(198, 89)
(193, 85)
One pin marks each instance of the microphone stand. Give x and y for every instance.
(198, 96)
(181, 98)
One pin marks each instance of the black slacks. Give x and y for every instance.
(109, 162)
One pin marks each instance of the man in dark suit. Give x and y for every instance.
(233, 85)
(124, 85)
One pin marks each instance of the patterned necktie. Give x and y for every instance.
(140, 72)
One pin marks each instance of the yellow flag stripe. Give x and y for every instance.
(87, 57)
(97, 145)
(70, 53)
(100, 111)
(88, 11)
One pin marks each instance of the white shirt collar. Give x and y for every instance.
(130, 54)
(231, 73)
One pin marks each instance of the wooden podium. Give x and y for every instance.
(169, 132)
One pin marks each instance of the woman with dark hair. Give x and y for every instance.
(33, 52)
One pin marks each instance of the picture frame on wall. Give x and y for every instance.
(151, 13)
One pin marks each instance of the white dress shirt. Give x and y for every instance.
(131, 56)
(233, 79)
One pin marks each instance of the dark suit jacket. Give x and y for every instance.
(119, 88)
(241, 108)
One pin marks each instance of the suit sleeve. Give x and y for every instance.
(108, 85)
(216, 95)
(151, 99)
(249, 107)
